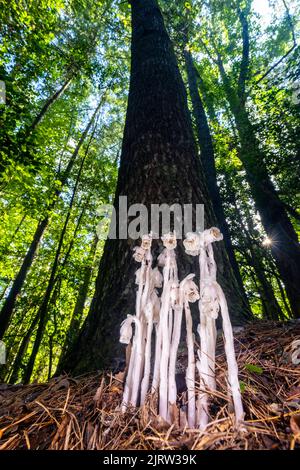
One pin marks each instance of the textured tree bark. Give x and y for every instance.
(159, 164)
(208, 162)
(271, 307)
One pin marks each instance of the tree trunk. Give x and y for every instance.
(285, 247)
(22, 350)
(208, 162)
(9, 304)
(74, 327)
(251, 253)
(43, 309)
(159, 164)
(15, 290)
(48, 103)
(267, 295)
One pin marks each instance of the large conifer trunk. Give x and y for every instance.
(159, 164)
(208, 162)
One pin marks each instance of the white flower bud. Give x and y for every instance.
(146, 242)
(169, 240)
(212, 235)
(192, 243)
(126, 330)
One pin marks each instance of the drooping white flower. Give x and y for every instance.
(169, 240)
(146, 242)
(139, 254)
(189, 288)
(209, 303)
(212, 235)
(192, 243)
(126, 330)
(191, 291)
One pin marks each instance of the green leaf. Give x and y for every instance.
(242, 386)
(253, 368)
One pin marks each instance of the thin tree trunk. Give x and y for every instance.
(43, 309)
(48, 103)
(271, 305)
(15, 290)
(9, 304)
(268, 298)
(284, 247)
(54, 298)
(159, 164)
(208, 162)
(3, 293)
(22, 350)
(273, 272)
(74, 327)
(6, 249)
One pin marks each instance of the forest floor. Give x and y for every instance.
(83, 412)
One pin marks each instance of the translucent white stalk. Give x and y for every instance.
(203, 370)
(190, 371)
(156, 370)
(170, 324)
(212, 299)
(145, 292)
(129, 379)
(173, 353)
(231, 360)
(164, 315)
(140, 290)
(137, 362)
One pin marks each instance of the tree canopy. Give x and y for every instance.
(66, 68)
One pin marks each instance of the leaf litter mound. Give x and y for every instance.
(83, 413)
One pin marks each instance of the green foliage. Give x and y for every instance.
(44, 45)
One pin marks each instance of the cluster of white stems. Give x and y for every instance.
(162, 317)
